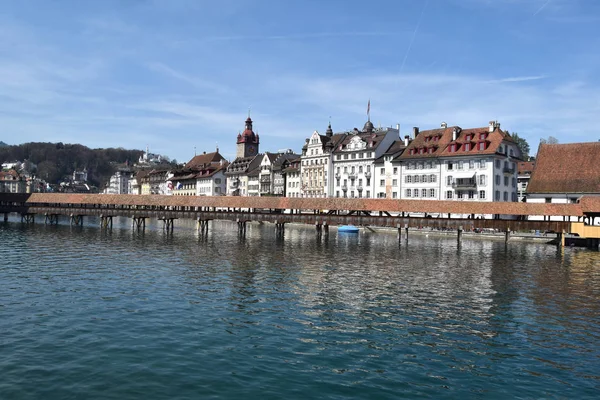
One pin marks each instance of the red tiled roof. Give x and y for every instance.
(590, 204)
(204, 159)
(440, 140)
(411, 206)
(566, 168)
(525, 167)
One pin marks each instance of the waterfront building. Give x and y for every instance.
(451, 163)
(316, 163)
(253, 177)
(283, 160)
(354, 160)
(524, 170)
(247, 160)
(140, 184)
(119, 182)
(270, 177)
(563, 173)
(237, 174)
(265, 174)
(387, 171)
(203, 175)
(12, 182)
(290, 170)
(158, 181)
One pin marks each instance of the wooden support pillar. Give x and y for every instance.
(202, 226)
(28, 218)
(507, 235)
(326, 228)
(139, 223)
(76, 219)
(319, 228)
(5, 217)
(406, 232)
(561, 239)
(168, 223)
(50, 219)
(241, 227)
(106, 221)
(280, 228)
(459, 235)
(399, 227)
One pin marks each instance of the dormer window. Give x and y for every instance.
(430, 150)
(422, 150)
(482, 136)
(412, 152)
(467, 146)
(481, 146)
(453, 148)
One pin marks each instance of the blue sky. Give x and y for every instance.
(181, 74)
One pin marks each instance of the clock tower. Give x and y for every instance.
(247, 141)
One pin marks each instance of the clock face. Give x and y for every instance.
(251, 149)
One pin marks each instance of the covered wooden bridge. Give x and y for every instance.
(322, 213)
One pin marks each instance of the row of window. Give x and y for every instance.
(420, 178)
(320, 161)
(360, 182)
(470, 164)
(353, 156)
(360, 169)
(351, 194)
(506, 181)
(425, 193)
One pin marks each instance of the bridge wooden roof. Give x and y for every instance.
(410, 206)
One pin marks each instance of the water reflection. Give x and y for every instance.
(329, 308)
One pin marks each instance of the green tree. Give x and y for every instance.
(521, 144)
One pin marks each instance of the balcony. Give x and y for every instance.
(464, 183)
(352, 175)
(508, 170)
(337, 175)
(345, 188)
(265, 179)
(368, 174)
(359, 188)
(233, 183)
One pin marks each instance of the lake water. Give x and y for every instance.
(91, 314)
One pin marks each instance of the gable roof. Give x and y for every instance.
(566, 168)
(204, 159)
(373, 140)
(395, 150)
(440, 139)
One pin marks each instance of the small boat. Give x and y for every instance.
(348, 229)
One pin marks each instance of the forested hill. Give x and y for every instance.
(57, 160)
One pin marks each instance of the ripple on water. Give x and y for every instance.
(92, 314)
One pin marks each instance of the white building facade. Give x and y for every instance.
(354, 161)
(450, 163)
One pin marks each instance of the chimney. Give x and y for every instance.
(415, 132)
(492, 126)
(406, 140)
(444, 125)
(454, 134)
(398, 128)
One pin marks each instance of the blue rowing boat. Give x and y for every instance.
(348, 229)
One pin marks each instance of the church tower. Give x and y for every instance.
(247, 142)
